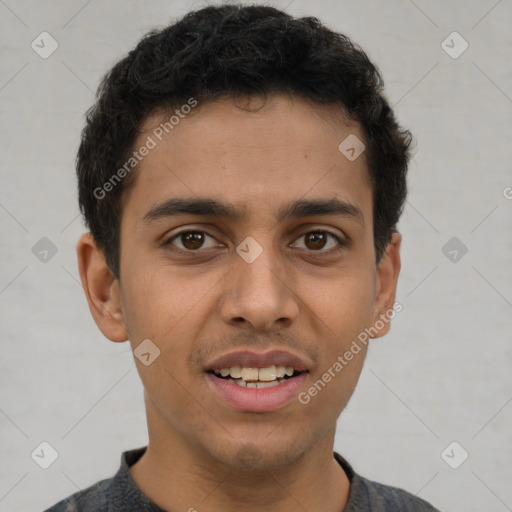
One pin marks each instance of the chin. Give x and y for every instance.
(263, 456)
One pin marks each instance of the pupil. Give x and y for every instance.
(315, 240)
(192, 240)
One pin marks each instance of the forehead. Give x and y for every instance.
(257, 157)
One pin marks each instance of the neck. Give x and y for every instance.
(177, 475)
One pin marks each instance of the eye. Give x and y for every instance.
(191, 240)
(318, 240)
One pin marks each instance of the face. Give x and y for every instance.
(247, 246)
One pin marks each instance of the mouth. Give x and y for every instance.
(256, 378)
(257, 382)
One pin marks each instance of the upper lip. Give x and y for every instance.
(252, 359)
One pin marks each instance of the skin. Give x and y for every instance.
(311, 300)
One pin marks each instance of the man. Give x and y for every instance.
(242, 176)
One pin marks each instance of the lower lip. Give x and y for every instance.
(258, 400)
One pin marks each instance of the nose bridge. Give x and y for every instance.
(257, 268)
(257, 292)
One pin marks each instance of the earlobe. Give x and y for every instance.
(101, 289)
(387, 277)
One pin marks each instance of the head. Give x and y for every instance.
(225, 216)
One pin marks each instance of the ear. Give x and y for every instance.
(386, 281)
(101, 289)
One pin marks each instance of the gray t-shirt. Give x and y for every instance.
(121, 494)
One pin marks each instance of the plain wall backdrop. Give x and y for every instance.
(442, 374)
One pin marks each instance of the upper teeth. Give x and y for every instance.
(266, 374)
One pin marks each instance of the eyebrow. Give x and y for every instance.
(188, 206)
(309, 208)
(217, 208)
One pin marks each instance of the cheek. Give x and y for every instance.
(344, 306)
(157, 298)
(344, 303)
(331, 387)
(172, 311)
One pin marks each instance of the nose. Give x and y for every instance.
(259, 295)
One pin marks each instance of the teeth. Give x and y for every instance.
(268, 384)
(261, 385)
(250, 374)
(236, 372)
(269, 374)
(258, 385)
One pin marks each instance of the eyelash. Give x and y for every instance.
(341, 243)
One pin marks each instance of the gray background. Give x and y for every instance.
(441, 375)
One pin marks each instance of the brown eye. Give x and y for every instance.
(315, 240)
(192, 241)
(319, 241)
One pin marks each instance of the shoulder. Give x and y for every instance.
(92, 499)
(110, 494)
(387, 498)
(367, 495)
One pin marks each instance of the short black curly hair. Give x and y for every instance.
(229, 51)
